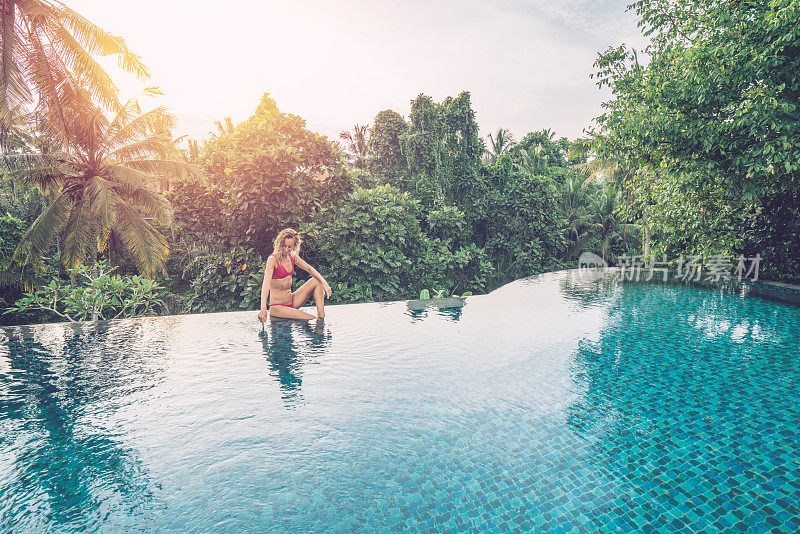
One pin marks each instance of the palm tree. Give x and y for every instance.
(501, 143)
(357, 144)
(607, 224)
(46, 57)
(585, 152)
(101, 187)
(574, 201)
(224, 127)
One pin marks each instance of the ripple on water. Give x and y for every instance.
(550, 404)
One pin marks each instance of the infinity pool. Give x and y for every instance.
(550, 405)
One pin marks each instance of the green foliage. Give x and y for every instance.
(423, 147)
(772, 229)
(517, 225)
(199, 209)
(370, 244)
(454, 268)
(386, 161)
(356, 145)
(543, 148)
(11, 230)
(500, 143)
(449, 223)
(463, 147)
(684, 221)
(224, 282)
(372, 247)
(95, 294)
(443, 148)
(262, 177)
(712, 123)
(102, 198)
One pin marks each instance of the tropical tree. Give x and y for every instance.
(608, 225)
(356, 144)
(46, 56)
(262, 176)
(500, 143)
(101, 188)
(574, 198)
(442, 148)
(224, 127)
(545, 147)
(386, 159)
(713, 114)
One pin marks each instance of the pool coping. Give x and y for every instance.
(775, 291)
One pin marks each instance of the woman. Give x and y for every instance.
(277, 283)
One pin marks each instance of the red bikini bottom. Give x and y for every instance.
(291, 305)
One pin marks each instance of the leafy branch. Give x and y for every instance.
(94, 293)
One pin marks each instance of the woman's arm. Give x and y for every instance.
(268, 270)
(300, 262)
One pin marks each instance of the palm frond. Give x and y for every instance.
(147, 246)
(80, 240)
(98, 41)
(132, 186)
(102, 199)
(154, 146)
(129, 178)
(154, 122)
(39, 236)
(43, 75)
(224, 127)
(13, 85)
(44, 171)
(92, 75)
(128, 111)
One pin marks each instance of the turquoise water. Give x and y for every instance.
(549, 405)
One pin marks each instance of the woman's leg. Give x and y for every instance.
(319, 300)
(305, 291)
(287, 312)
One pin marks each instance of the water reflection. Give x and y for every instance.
(59, 389)
(588, 292)
(683, 389)
(418, 310)
(288, 346)
(685, 366)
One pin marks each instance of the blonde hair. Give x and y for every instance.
(282, 236)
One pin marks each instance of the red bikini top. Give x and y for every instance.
(280, 271)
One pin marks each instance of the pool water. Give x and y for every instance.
(552, 404)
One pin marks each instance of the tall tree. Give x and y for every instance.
(101, 187)
(386, 160)
(443, 147)
(263, 176)
(500, 143)
(46, 57)
(356, 144)
(712, 118)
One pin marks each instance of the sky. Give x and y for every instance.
(526, 63)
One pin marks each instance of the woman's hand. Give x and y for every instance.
(326, 288)
(262, 315)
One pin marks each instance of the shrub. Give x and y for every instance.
(93, 293)
(231, 281)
